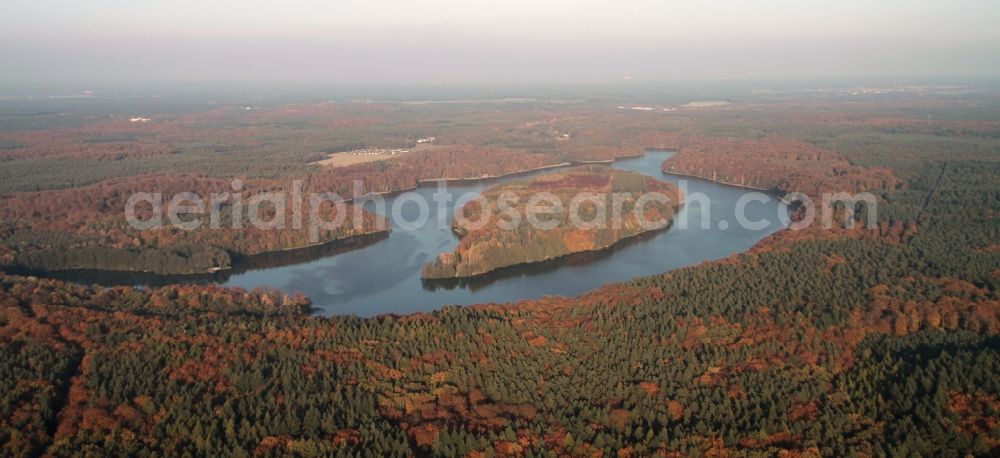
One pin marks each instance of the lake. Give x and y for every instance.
(384, 275)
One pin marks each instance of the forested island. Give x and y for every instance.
(502, 242)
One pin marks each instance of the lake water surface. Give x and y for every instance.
(384, 276)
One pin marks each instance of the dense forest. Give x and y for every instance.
(775, 163)
(88, 227)
(502, 235)
(848, 342)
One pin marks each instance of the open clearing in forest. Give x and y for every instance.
(361, 156)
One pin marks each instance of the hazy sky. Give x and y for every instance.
(513, 41)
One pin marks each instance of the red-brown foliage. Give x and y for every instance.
(773, 162)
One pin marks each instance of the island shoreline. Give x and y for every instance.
(496, 270)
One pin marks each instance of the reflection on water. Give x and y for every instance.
(382, 275)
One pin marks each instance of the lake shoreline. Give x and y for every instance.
(239, 262)
(500, 269)
(724, 183)
(611, 246)
(477, 180)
